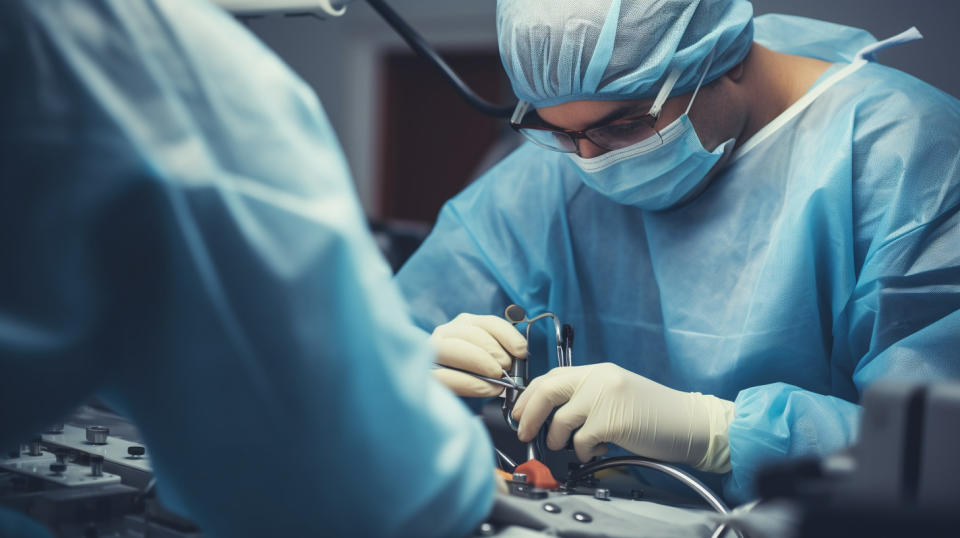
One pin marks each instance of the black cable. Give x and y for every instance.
(421, 47)
(687, 479)
(698, 487)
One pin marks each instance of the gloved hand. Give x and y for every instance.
(611, 404)
(486, 345)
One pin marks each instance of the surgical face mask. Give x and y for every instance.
(660, 172)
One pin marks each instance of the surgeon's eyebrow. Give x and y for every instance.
(622, 112)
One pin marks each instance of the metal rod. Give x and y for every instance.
(506, 459)
(421, 47)
(506, 382)
(715, 502)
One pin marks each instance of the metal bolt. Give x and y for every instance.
(602, 494)
(97, 435)
(96, 465)
(519, 477)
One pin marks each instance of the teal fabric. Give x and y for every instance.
(822, 260)
(182, 238)
(564, 50)
(16, 525)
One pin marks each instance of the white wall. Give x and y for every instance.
(339, 57)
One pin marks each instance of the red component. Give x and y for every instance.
(538, 474)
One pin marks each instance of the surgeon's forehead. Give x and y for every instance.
(588, 113)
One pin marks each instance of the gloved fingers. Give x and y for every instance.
(571, 374)
(502, 330)
(550, 391)
(521, 403)
(589, 444)
(478, 337)
(466, 356)
(466, 385)
(567, 418)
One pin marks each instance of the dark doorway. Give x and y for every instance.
(432, 141)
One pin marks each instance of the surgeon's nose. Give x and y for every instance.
(587, 149)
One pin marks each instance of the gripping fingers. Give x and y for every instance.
(588, 444)
(524, 398)
(466, 385)
(504, 332)
(553, 378)
(480, 338)
(552, 391)
(466, 356)
(565, 420)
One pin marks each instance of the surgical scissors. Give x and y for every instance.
(506, 381)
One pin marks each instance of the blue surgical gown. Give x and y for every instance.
(180, 236)
(821, 260)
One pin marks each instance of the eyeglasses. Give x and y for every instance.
(631, 129)
(620, 133)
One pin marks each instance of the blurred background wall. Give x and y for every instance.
(411, 143)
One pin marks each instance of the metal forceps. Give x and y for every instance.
(516, 315)
(506, 381)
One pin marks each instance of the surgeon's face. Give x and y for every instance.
(714, 115)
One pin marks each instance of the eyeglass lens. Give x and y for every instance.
(610, 137)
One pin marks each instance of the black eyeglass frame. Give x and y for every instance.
(649, 120)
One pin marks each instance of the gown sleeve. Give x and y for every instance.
(182, 239)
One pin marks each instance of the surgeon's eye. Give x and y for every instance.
(621, 135)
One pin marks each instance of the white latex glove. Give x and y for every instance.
(486, 345)
(611, 404)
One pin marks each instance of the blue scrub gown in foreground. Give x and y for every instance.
(180, 236)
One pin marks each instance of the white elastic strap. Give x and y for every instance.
(700, 83)
(794, 109)
(791, 112)
(664, 92)
(520, 111)
(906, 36)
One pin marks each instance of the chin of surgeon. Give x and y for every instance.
(182, 239)
(789, 235)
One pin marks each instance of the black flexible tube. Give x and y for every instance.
(697, 486)
(703, 491)
(421, 47)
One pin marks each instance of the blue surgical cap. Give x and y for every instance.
(568, 50)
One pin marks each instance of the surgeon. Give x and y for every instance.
(180, 237)
(747, 221)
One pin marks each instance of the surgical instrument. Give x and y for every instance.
(567, 333)
(505, 459)
(563, 338)
(505, 382)
(516, 315)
